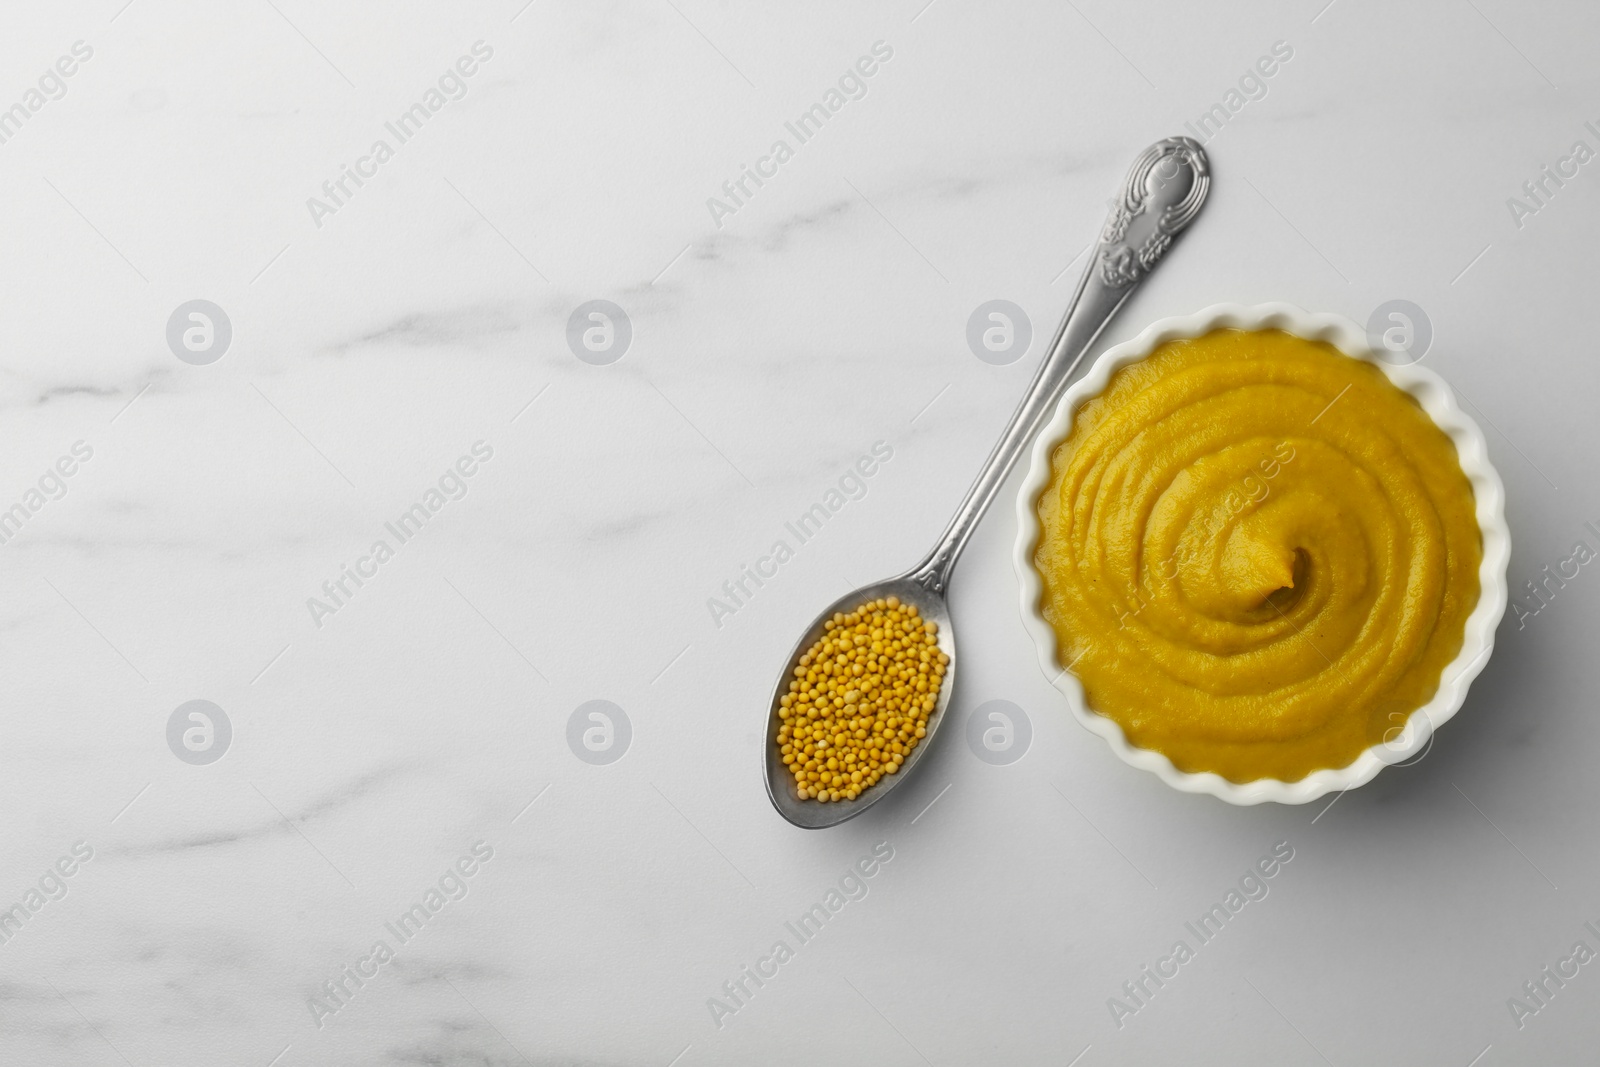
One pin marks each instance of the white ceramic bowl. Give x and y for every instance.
(1436, 399)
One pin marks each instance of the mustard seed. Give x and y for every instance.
(861, 699)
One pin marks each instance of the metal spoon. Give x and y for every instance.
(1162, 195)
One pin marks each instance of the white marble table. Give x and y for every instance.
(382, 331)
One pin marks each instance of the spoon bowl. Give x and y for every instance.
(814, 814)
(1161, 196)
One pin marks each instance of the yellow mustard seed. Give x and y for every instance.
(861, 699)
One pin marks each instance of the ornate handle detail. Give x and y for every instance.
(1163, 194)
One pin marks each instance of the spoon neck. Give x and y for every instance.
(1093, 305)
(933, 573)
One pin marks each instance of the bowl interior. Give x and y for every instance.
(1436, 399)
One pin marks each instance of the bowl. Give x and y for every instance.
(1436, 399)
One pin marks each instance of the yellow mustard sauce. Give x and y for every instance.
(1258, 554)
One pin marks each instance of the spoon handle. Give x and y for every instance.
(1162, 195)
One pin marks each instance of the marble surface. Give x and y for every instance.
(377, 339)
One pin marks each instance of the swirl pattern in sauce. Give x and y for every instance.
(1258, 554)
